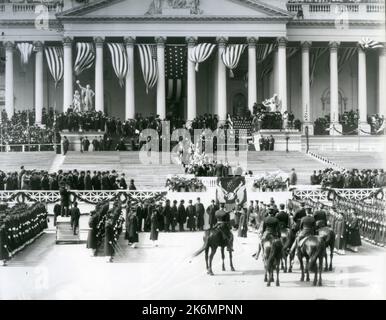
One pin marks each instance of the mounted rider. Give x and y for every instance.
(224, 226)
(271, 225)
(307, 228)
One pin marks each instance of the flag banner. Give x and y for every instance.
(230, 189)
(367, 43)
(231, 56)
(263, 50)
(344, 56)
(119, 61)
(54, 57)
(291, 51)
(175, 71)
(85, 57)
(315, 55)
(25, 50)
(200, 53)
(149, 65)
(267, 69)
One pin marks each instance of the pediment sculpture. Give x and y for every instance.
(162, 6)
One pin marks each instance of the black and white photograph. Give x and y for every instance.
(192, 150)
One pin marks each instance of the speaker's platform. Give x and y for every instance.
(64, 232)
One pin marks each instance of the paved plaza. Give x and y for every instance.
(45, 270)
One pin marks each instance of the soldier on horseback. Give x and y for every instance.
(307, 228)
(224, 226)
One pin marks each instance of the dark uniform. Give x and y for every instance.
(271, 226)
(299, 214)
(223, 224)
(283, 218)
(320, 217)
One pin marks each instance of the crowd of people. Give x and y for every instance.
(349, 121)
(349, 179)
(19, 226)
(21, 130)
(74, 179)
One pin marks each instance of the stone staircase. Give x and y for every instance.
(12, 161)
(64, 232)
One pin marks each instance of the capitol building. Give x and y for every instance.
(195, 57)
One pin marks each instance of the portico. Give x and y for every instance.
(211, 89)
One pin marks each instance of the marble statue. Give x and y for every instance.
(87, 96)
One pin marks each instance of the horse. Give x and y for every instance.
(287, 237)
(272, 255)
(213, 238)
(313, 249)
(328, 236)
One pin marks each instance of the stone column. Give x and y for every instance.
(68, 89)
(306, 103)
(99, 85)
(364, 127)
(130, 86)
(275, 72)
(282, 72)
(334, 90)
(161, 88)
(252, 73)
(38, 82)
(382, 80)
(192, 93)
(9, 93)
(221, 82)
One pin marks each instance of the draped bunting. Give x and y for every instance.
(367, 43)
(54, 57)
(119, 61)
(316, 54)
(201, 53)
(25, 50)
(263, 51)
(291, 51)
(149, 65)
(345, 55)
(85, 57)
(231, 56)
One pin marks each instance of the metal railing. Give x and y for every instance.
(28, 147)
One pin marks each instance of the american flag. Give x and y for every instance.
(175, 71)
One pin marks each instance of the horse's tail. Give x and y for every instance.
(197, 253)
(319, 247)
(276, 247)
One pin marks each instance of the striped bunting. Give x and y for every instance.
(367, 43)
(85, 57)
(149, 64)
(54, 57)
(119, 61)
(201, 53)
(25, 50)
(264, 50)
(315, 55)
(231, 56)
(345, 55)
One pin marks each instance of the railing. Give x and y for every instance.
(322, 195)
(28, 147)
(334, 9)
(375, 8)
(23, 8)
(320, 8)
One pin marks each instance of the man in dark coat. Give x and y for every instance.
(200, 211)
(223, 225)
(95, 144)
(307, 228)
(299, 214)
(109, 239)
(96, 181)
(270, 226)
(166, 213)
(75, 216)
(191, 215)
(105, 182)
(320, 217)
(261, 143)
(88, 181)
(271, 142)
(283, 217)
(86, 144)
(64, 201)
(66, 145)
(181, 215)
(218, 170)
(211, 211)
(174, 215)
(122, 182)
(132, 228)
